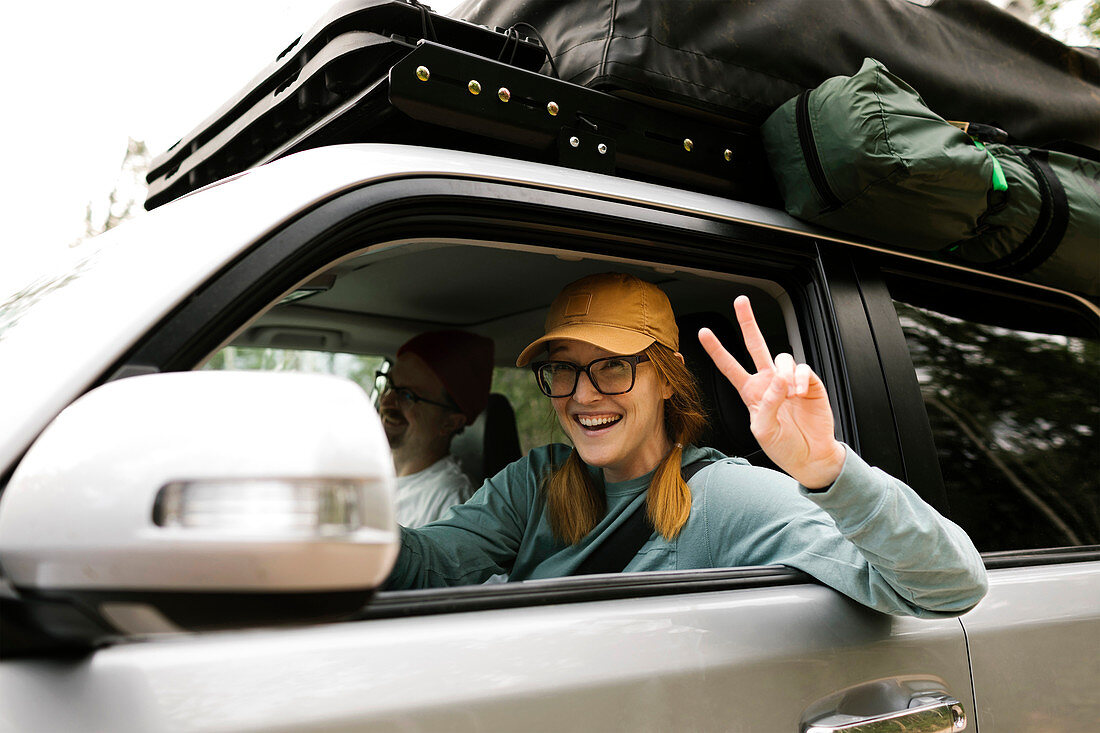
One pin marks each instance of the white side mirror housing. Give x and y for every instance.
(202, 500)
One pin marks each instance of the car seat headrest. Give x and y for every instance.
(490, 443)
(728, 418)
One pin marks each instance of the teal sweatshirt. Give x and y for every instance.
(867, 535)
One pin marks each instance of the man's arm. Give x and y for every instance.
(473, 540)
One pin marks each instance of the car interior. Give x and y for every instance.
(371, 302)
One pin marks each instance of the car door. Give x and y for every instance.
(751, 649)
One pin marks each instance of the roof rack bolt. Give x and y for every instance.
(727, 154)
(503, 94)
(602, 148)
(552, 108)
(575, 141)
(474, 86)
(422, 73)
(688, 144)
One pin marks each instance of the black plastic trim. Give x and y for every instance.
(211, 610)
(939, 280)
(1034, 558)
(865, 383)
(70, 622)
(578, 589)
(915, 439)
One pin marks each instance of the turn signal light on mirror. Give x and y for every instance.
(269, 507)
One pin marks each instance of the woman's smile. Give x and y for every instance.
(598, 422)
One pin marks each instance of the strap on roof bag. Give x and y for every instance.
(863, 154)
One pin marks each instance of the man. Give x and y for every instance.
(438, 384)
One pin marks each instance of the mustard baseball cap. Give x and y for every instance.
(614, 311)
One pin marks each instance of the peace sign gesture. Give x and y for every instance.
(789, 409)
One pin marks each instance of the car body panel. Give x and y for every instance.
(1033, 646)
(705, 662)
(752, 659)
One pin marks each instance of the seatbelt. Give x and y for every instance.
(623, 544)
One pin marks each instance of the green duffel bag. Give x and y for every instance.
(864, 155)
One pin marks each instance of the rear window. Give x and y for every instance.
(1015, 414)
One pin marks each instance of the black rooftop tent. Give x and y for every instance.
(670, 91)
(741, 59)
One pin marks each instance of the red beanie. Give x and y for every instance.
(463, 361)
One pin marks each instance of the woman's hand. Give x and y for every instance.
(788, 407)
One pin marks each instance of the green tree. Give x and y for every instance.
(128, 194)
(356, 367)
(1050, 16)
(535, 420)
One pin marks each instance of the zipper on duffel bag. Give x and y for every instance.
(809, 152)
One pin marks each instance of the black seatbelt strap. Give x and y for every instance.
(623, 544)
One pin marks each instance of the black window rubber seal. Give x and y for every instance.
(1003, 559)
(578, 589)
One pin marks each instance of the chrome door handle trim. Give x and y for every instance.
(935, 714)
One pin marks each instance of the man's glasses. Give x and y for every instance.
(383, 384)
(610, 376)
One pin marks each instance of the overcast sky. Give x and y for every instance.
(83, 77)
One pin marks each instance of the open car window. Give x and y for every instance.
(351, 318)
(1010, 391)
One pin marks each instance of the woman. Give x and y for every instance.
(630, 407)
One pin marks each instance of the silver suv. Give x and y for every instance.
(977, 390)
(193, 533)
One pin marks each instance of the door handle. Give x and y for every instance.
(926, 714)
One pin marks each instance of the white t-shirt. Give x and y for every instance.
(426, 495)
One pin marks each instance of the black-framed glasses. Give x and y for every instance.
(384, 384)
(610, 376)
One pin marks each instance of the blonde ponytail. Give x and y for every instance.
(668, 503)
(669, 499)
(574, 505)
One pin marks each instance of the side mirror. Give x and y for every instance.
(201, 500)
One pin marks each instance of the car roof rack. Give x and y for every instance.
(394, 71)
